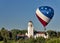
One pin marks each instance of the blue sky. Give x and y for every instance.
(17, 13)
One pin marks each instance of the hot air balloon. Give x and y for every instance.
(44, 14)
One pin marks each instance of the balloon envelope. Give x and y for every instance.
(44, 14)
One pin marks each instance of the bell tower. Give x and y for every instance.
(30, 29)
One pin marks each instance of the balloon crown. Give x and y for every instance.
(48, 11)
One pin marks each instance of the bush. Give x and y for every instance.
(40, 40)
(54, 40)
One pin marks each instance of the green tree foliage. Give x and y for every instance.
(58, 34)
(23, 31)
(52, 33)
(53, 40)
(31, 40)
(5, 34)
(1, 38)
(40, 40)
(16, 31)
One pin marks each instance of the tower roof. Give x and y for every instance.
(31, 21)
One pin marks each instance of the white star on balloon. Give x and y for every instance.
(49, 9)
(45, 8)
(47, 12)
(41, 7)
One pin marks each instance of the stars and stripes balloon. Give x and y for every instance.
(44, 14)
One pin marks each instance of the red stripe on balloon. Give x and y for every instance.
(42, 21)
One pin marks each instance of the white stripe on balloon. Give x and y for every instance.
(42, 16)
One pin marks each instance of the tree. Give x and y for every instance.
(58, 34)
(14, 33)
(1, 38)
(5, 35)
(52, 33)
(23, 31)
